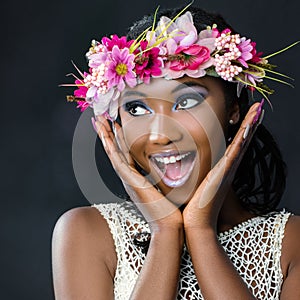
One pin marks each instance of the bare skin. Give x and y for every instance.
(84, 258)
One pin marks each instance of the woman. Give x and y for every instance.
(203, 176)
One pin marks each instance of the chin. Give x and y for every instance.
(182, 194)
(177, 175)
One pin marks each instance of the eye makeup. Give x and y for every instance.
(183, 96)
(136, 108)
(188, 101)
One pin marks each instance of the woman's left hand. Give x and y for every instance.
(203, 209)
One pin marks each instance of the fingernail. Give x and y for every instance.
(258, 112)
(103, 140)
(114, 129)
(261, 117)
(94, 123)
(246, 132)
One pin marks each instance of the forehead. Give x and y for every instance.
(156, 88)
(161, 88)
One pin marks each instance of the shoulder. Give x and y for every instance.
(291, 244)
(290, 259)
(84, 229)
(81, 220)
(83, 256)
(291, 241)
(84, 222)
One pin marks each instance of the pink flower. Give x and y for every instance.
(116, 41)
(249, 80)
(83, 105)
(82, 89)
(148, 64)
(207, 38)
(226, 31)
(120, 69)
(208, 33)
(256, 56)
(107, 104)
(245, 48)
(95, 60)
(186, 26)
(97, 55)
(252, 79)
(182, 31)
(190, 57)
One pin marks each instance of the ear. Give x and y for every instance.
(234, 113)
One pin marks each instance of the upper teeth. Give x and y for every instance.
(171, 159)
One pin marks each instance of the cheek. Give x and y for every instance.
(135, 137)
(207, 131)
(134, 129)
(202, 144)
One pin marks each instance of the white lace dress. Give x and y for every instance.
(253, 246)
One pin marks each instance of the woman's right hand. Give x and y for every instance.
(164, 219)
(158, 211)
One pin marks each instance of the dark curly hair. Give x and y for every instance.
(261, 177)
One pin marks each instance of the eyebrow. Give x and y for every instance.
(186, 84)
(179, 87)
(134, 93)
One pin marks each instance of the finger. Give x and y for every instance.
(103, 123)
(106, 138)
(220, 177)
(113, 132)
(127, 173)
(233, 151)
(153, 205)
(244, 134)
(122, 143)
(108, 141)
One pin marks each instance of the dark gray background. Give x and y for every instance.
(38, 41)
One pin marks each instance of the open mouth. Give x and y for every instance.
(174, 168)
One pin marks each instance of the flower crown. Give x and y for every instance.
(170, 50)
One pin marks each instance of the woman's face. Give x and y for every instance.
(174, 130)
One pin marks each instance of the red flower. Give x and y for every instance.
(148, 64)
(256, 56)
(190, 57)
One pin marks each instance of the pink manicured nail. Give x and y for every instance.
(103, 139)
(246, 132)
(258, 112)
(261, 117)
(94, 124)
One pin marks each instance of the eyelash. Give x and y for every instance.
(130, 106)
(197, 97)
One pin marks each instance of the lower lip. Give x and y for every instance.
(174, 183)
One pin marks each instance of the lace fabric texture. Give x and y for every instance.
(254, 248)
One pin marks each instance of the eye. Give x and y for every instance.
(136, 108)
(188, 101)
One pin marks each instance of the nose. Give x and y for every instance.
(164, 130)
